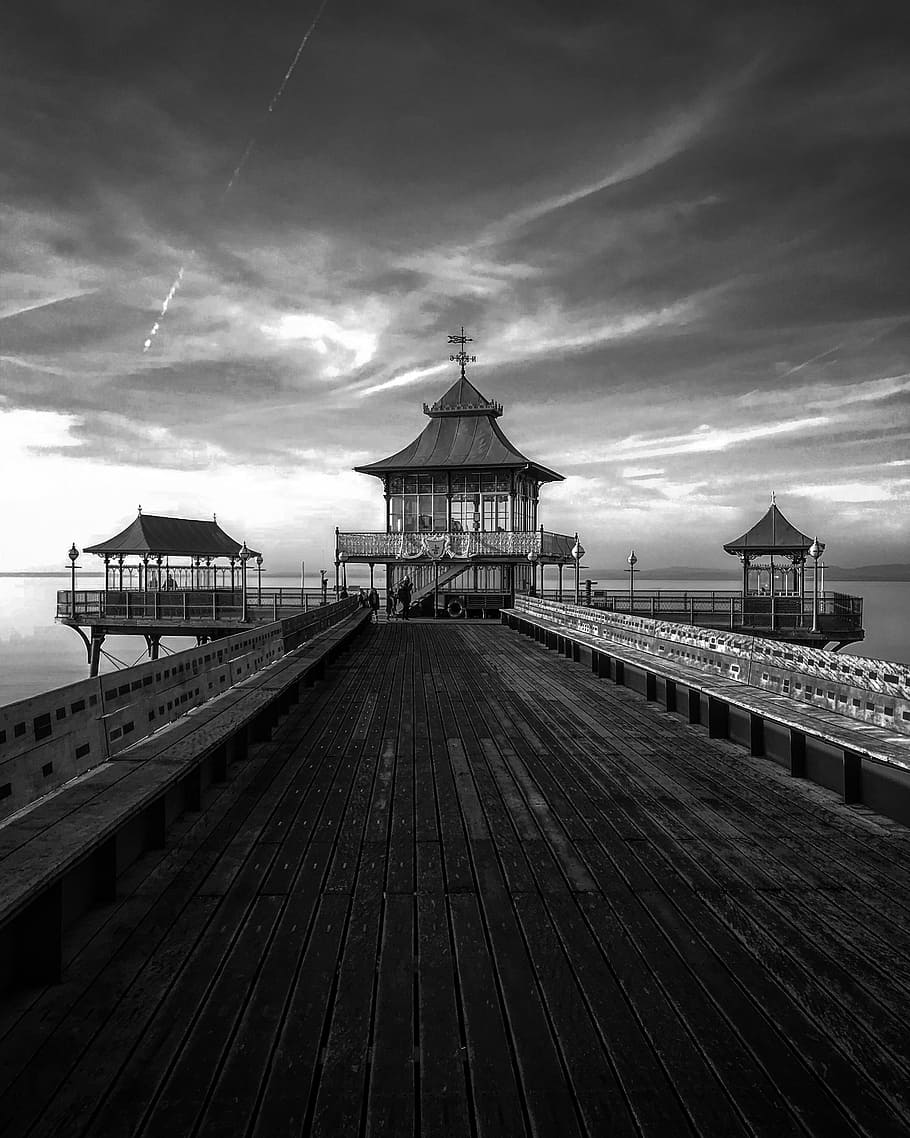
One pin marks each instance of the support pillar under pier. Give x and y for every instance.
(94, 659)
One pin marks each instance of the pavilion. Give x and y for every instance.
(461, 508)
(772, 536)
(171, 553)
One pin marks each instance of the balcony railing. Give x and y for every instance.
(553, 547)
(836, 611)
(183, 606)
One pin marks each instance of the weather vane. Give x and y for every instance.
(462, 357)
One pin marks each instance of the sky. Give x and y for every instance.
(677, 232)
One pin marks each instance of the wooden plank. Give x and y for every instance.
(340, 1092)
(392, 1090)
(286, 1101)
(443, 1095)
(233, 1102)
(595, 1087)
(496, 1101)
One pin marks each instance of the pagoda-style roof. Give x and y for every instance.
(771, 534)
(175, 536)
(462, 434)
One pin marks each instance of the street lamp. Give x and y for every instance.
(577, 553)
(816, 549)
(532, 557)
(73, 554)
(259, 576)
(633, 561)
(245, 555)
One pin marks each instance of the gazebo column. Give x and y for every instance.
(107, 572)
(120, 569)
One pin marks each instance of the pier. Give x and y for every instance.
(474, 883)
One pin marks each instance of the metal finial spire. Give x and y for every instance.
(773, 500)
(140, 511)
(462, 357)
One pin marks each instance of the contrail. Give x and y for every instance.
(805, 363)
(275, 100)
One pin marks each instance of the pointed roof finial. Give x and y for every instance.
(140, 511)
(214, 517)
(773, 499)
(462, 357)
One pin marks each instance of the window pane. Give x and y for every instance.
(439, 512)
(426, 512)
(396, 484)
(396, 509)
(425, 483)
(410, 513)
(410, 484)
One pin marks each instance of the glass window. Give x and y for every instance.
(410, 484)
(425, 510)
(410, 513)
(396, 508)
(439, 512)
(396, 484)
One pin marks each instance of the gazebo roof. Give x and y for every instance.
(177, 536)
(462, 434)
(771, 534)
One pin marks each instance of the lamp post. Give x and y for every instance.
(73, 554)
(577, 553)
(532, 557)
(259, 578)
(633, 561)
(245, 555)
(816, 549)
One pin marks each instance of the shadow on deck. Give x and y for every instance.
(469, 888)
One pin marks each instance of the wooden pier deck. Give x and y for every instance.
(470, 889)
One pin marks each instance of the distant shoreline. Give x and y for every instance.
(897, 572)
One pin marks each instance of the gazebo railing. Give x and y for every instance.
(438, 545)
(730, 608)
(183, 605)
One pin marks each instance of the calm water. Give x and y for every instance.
(36, 654)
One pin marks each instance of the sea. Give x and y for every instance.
(36, 654)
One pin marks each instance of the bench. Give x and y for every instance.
(65, 853)
(864, 763)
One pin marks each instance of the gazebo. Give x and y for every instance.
(461, 508)
(772, 536)
(170, 553)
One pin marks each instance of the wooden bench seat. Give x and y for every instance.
(84, 835)
(715, 700)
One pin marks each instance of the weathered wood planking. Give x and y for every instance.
(468, 888)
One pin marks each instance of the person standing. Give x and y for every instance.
(391, 600)
(374, 605)
(404, 595)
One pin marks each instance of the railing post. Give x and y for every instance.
(718, 718)
(756, 734)
(853, 777)
(214, 606)
(184, 606)
(797, 753)
(732, 614)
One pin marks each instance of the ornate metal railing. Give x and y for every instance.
(553, 547)
(184, 605)
(835, 610)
